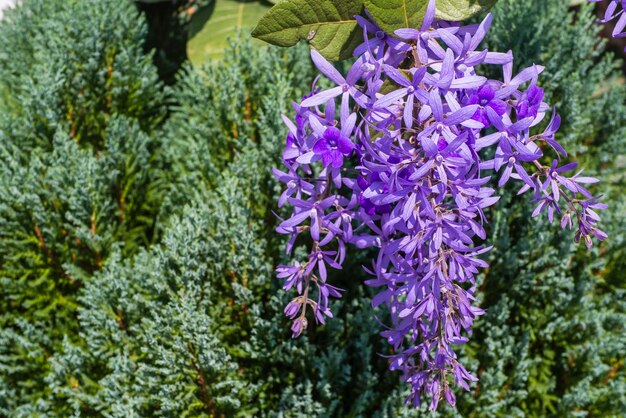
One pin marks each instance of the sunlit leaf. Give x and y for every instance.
(329, 26)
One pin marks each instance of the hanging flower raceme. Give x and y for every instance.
(401, 168)
(616, 10)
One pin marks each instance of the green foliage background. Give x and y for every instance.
(137, 245)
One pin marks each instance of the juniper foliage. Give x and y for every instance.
(79, 104)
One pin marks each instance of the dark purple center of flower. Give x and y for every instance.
(332, 143)
(381, 35)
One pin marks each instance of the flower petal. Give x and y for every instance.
(322, 97)
(327, 68)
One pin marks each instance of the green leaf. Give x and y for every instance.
(391, 15)
(328, 25)
(461, 9)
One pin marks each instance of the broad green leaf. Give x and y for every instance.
(391, 15)
(461, 9)
(328, 25)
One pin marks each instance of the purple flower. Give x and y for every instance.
(417, 186)
(530, 102)
(380, 40)
(407, 88)
(332, 146)
(425, 39)
(486, 96)
(345, 86)
(298, 326)
(615, 10)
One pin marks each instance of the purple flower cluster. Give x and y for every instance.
(615, 10)
(404, 166)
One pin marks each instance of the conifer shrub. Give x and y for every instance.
(80, 102)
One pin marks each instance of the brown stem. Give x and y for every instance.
(201, 380)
